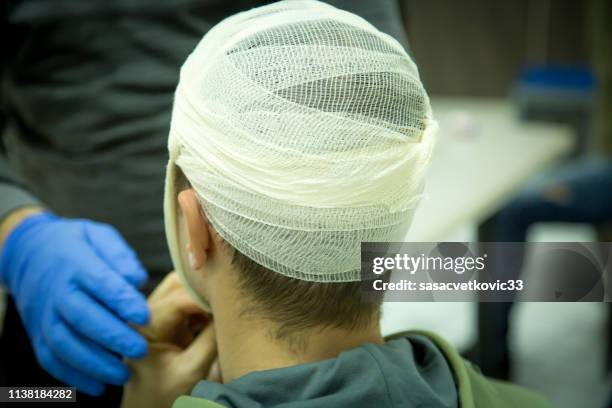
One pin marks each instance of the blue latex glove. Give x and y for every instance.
(74, 284)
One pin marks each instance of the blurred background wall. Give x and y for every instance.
(478, 47)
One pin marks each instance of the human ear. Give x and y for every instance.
(197, 227)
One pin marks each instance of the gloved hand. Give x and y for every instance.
(74, 284)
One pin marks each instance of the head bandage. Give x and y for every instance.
(304, 131)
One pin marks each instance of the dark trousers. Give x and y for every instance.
(581, 193)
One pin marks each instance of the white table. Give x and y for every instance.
(475, 171)
(484, 155)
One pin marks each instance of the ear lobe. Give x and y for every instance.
(197, 228)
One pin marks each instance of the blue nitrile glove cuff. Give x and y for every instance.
(9, 251)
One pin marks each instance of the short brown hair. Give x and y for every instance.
(296, 305)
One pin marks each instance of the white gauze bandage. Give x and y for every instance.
(304, 131)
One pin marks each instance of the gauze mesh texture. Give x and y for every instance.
(304, 131)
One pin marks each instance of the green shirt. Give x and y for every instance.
(411, 370)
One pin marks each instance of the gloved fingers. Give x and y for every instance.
(65, 373)
(112, 248)
(113, 291)
(83, 355)
(93, 321)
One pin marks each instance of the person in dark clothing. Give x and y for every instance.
(86, 95)
(579, 192)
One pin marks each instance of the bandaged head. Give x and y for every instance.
(303, 131)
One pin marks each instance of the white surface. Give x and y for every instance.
(483, 156)
(559, 348)
(456, 321)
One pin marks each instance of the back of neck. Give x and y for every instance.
(246, 345)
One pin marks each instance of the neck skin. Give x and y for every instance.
(246, 343)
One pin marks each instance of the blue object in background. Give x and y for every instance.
(560, 94)
(560, 78)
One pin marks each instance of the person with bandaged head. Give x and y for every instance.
(298, 131)
(85, 107)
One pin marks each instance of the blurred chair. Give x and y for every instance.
(560, 94)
